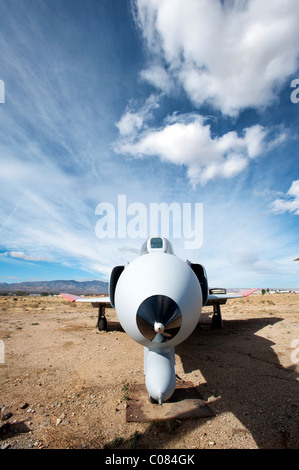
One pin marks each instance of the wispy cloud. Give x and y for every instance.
(289, 202)
(52, 219)
(53, 145)
(250, 260)
(21, 255)
(134, 119)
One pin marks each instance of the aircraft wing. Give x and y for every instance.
(93, 300)
(215, 295)
(221, 296)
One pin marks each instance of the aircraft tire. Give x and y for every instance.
(102, 324)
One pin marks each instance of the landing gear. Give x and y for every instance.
(102, 320)
(102, 324)
(216, 318)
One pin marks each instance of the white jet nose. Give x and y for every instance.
(158, 327)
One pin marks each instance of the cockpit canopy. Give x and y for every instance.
(157, 244)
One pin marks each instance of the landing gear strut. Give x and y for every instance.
(216, 318)
(102, 320)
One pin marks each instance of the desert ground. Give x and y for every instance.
(64, 384)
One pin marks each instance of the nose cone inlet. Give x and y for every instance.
(159, 318)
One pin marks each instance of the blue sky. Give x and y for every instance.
(161, 101)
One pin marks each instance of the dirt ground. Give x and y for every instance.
(64, 384)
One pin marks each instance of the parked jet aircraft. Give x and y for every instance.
(158, 300)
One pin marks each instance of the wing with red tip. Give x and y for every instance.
(94, 300)
(214, 295)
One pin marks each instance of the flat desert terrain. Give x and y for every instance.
(64, 384)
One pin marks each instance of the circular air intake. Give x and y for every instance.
(159, 318)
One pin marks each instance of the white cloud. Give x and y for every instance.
(133, 121)
(22, 255)
(231, 54)
(289, 202)
(187, 140)
(129, 123)
(158, 76)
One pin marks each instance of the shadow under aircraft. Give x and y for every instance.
(244, 376)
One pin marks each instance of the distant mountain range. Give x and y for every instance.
(73, 287)
(55, 287)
